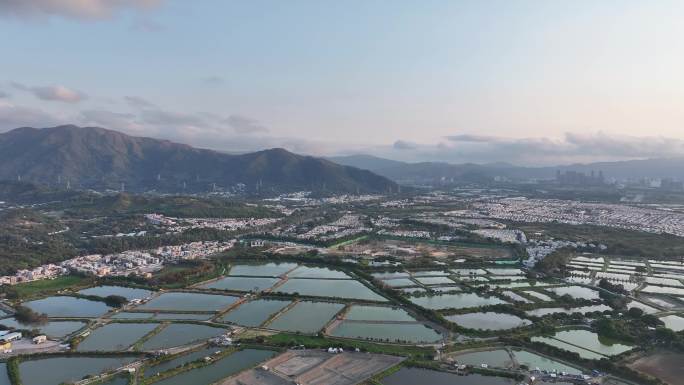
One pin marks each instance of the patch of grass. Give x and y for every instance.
(49, 286)
(349, 242)
(317, 342)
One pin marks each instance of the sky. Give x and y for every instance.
(526, 82)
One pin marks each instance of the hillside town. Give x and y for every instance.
(127, 263)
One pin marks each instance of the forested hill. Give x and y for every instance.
(93, 157)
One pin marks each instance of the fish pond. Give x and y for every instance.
(254, 313)
(640, 305)
(455, 301)
(583, 353)
(673, 322)
(262, 270)
(158, 316)
(177, 334)
(538, 295)
(63, 306)
(118, 380)
(179, 361)
(58, 370)
(317, 272)
(516, 297)
(488, 321)
(435, 280)
(399, 282)
(115, 336)
(403, 332)
(330, 288)
(377, 313)
(53, 329)
(553, 310)
(430, 273)
(390, 275)
(223, 368)
(575, 292)
(586, 340)
(533, 361)
(497, 358)
(242, 283)
(651, 289)
(306, 317)
(189, 302)
(127, 292)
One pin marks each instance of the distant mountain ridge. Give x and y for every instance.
(94, 157)
(426, 172)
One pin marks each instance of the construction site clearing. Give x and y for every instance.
(316, 367)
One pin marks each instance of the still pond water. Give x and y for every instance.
(54, 371)
(226, 367)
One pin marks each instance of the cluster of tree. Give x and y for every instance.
(612, 287)
(184, 273)
(28, 238)
(116, 301)
(615, 301)
(173, 205)
(25, 315)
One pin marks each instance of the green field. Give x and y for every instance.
(49, 286)
(286, 339)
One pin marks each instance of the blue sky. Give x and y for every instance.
(530, 82)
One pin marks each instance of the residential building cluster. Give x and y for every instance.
(537, 249)
(179, 225)
(505, 236)
(42, 272)
(406, 233)
(121, 264)
(329, 232)
(193, 250)
(385, 222)
(133, 262)
(303, 198)
(574, 212)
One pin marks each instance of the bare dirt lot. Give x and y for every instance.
(666, 366)
(414, 248)
(316, 367)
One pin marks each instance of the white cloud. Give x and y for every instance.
(53, 93)
(13, 116)
(245, 125)
(571, 148)
(138, 102)
(75, 9)
(404, 145)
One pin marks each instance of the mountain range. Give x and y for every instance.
(429, 172)
(98, 158)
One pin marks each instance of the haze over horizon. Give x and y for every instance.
(526, 82)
